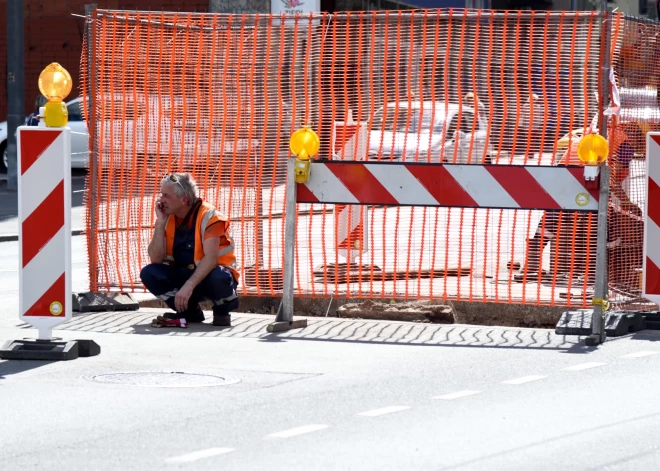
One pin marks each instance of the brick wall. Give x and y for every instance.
(52, 34)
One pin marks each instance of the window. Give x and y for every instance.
(74, 111)
(467, 122)
(439, 127)
(452, 128)
(404, 119)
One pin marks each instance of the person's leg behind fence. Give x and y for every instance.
(546, 230)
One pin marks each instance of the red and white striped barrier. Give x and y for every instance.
(447, 185)
(349, 141)
(651, 268)
(44, 214)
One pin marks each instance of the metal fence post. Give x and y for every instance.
(601, 284)
(93, 268)
(600, 287)
(284, 320)
(15, 86)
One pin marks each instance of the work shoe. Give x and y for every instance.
(222, 320)
(221, 313)
(194, 317)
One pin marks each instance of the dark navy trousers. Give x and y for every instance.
(165, 281)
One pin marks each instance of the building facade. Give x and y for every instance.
(53, 34)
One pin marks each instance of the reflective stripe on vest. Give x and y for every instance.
(226, 256)
(205, 221)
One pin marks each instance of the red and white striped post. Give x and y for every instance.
(44, 214)
(349, 141)
(651, 267)
(44, 229)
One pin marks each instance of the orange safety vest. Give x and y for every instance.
(206, 215)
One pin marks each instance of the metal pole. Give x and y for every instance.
(284, 320)
(601, 285)
(286, 313)
(601, 288)
(15, 85)
(91, 77)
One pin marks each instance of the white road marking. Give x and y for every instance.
(639, 354)
(383, 411)
(298, 431)
(198, 455)
(457, 395)
(524, 379)
(584, 366)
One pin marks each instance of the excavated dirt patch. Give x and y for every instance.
(440, 312)
(437, 312)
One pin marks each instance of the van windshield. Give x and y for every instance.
(410, 120)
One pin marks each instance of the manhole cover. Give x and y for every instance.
(166, 379)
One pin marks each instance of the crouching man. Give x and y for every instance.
(192, 256)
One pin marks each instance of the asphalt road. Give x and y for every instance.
(340, 394)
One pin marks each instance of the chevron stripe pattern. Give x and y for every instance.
(44, 211)
(651, 269)
(447, 185)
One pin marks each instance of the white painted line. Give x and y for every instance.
(639, 354)
(584, 366)
(383, 411)
(298, 431)
(457, 395)
(198, 455)
(524, 379)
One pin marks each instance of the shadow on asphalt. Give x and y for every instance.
(274, 338)
(650, 335)
(12, 367)
(337, 330)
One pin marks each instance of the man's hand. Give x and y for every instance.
(159, 211)
(182, 297)
(157, 247)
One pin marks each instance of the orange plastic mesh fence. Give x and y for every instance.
(636, 61)
(219, 96)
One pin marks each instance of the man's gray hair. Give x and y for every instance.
(184, 185)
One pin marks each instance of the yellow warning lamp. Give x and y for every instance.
(593, 149)
(304, 144)
(55, 84)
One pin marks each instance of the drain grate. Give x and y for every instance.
(165, 379)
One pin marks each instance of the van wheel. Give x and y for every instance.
(4, 161)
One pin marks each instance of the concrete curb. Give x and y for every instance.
(14, 237)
